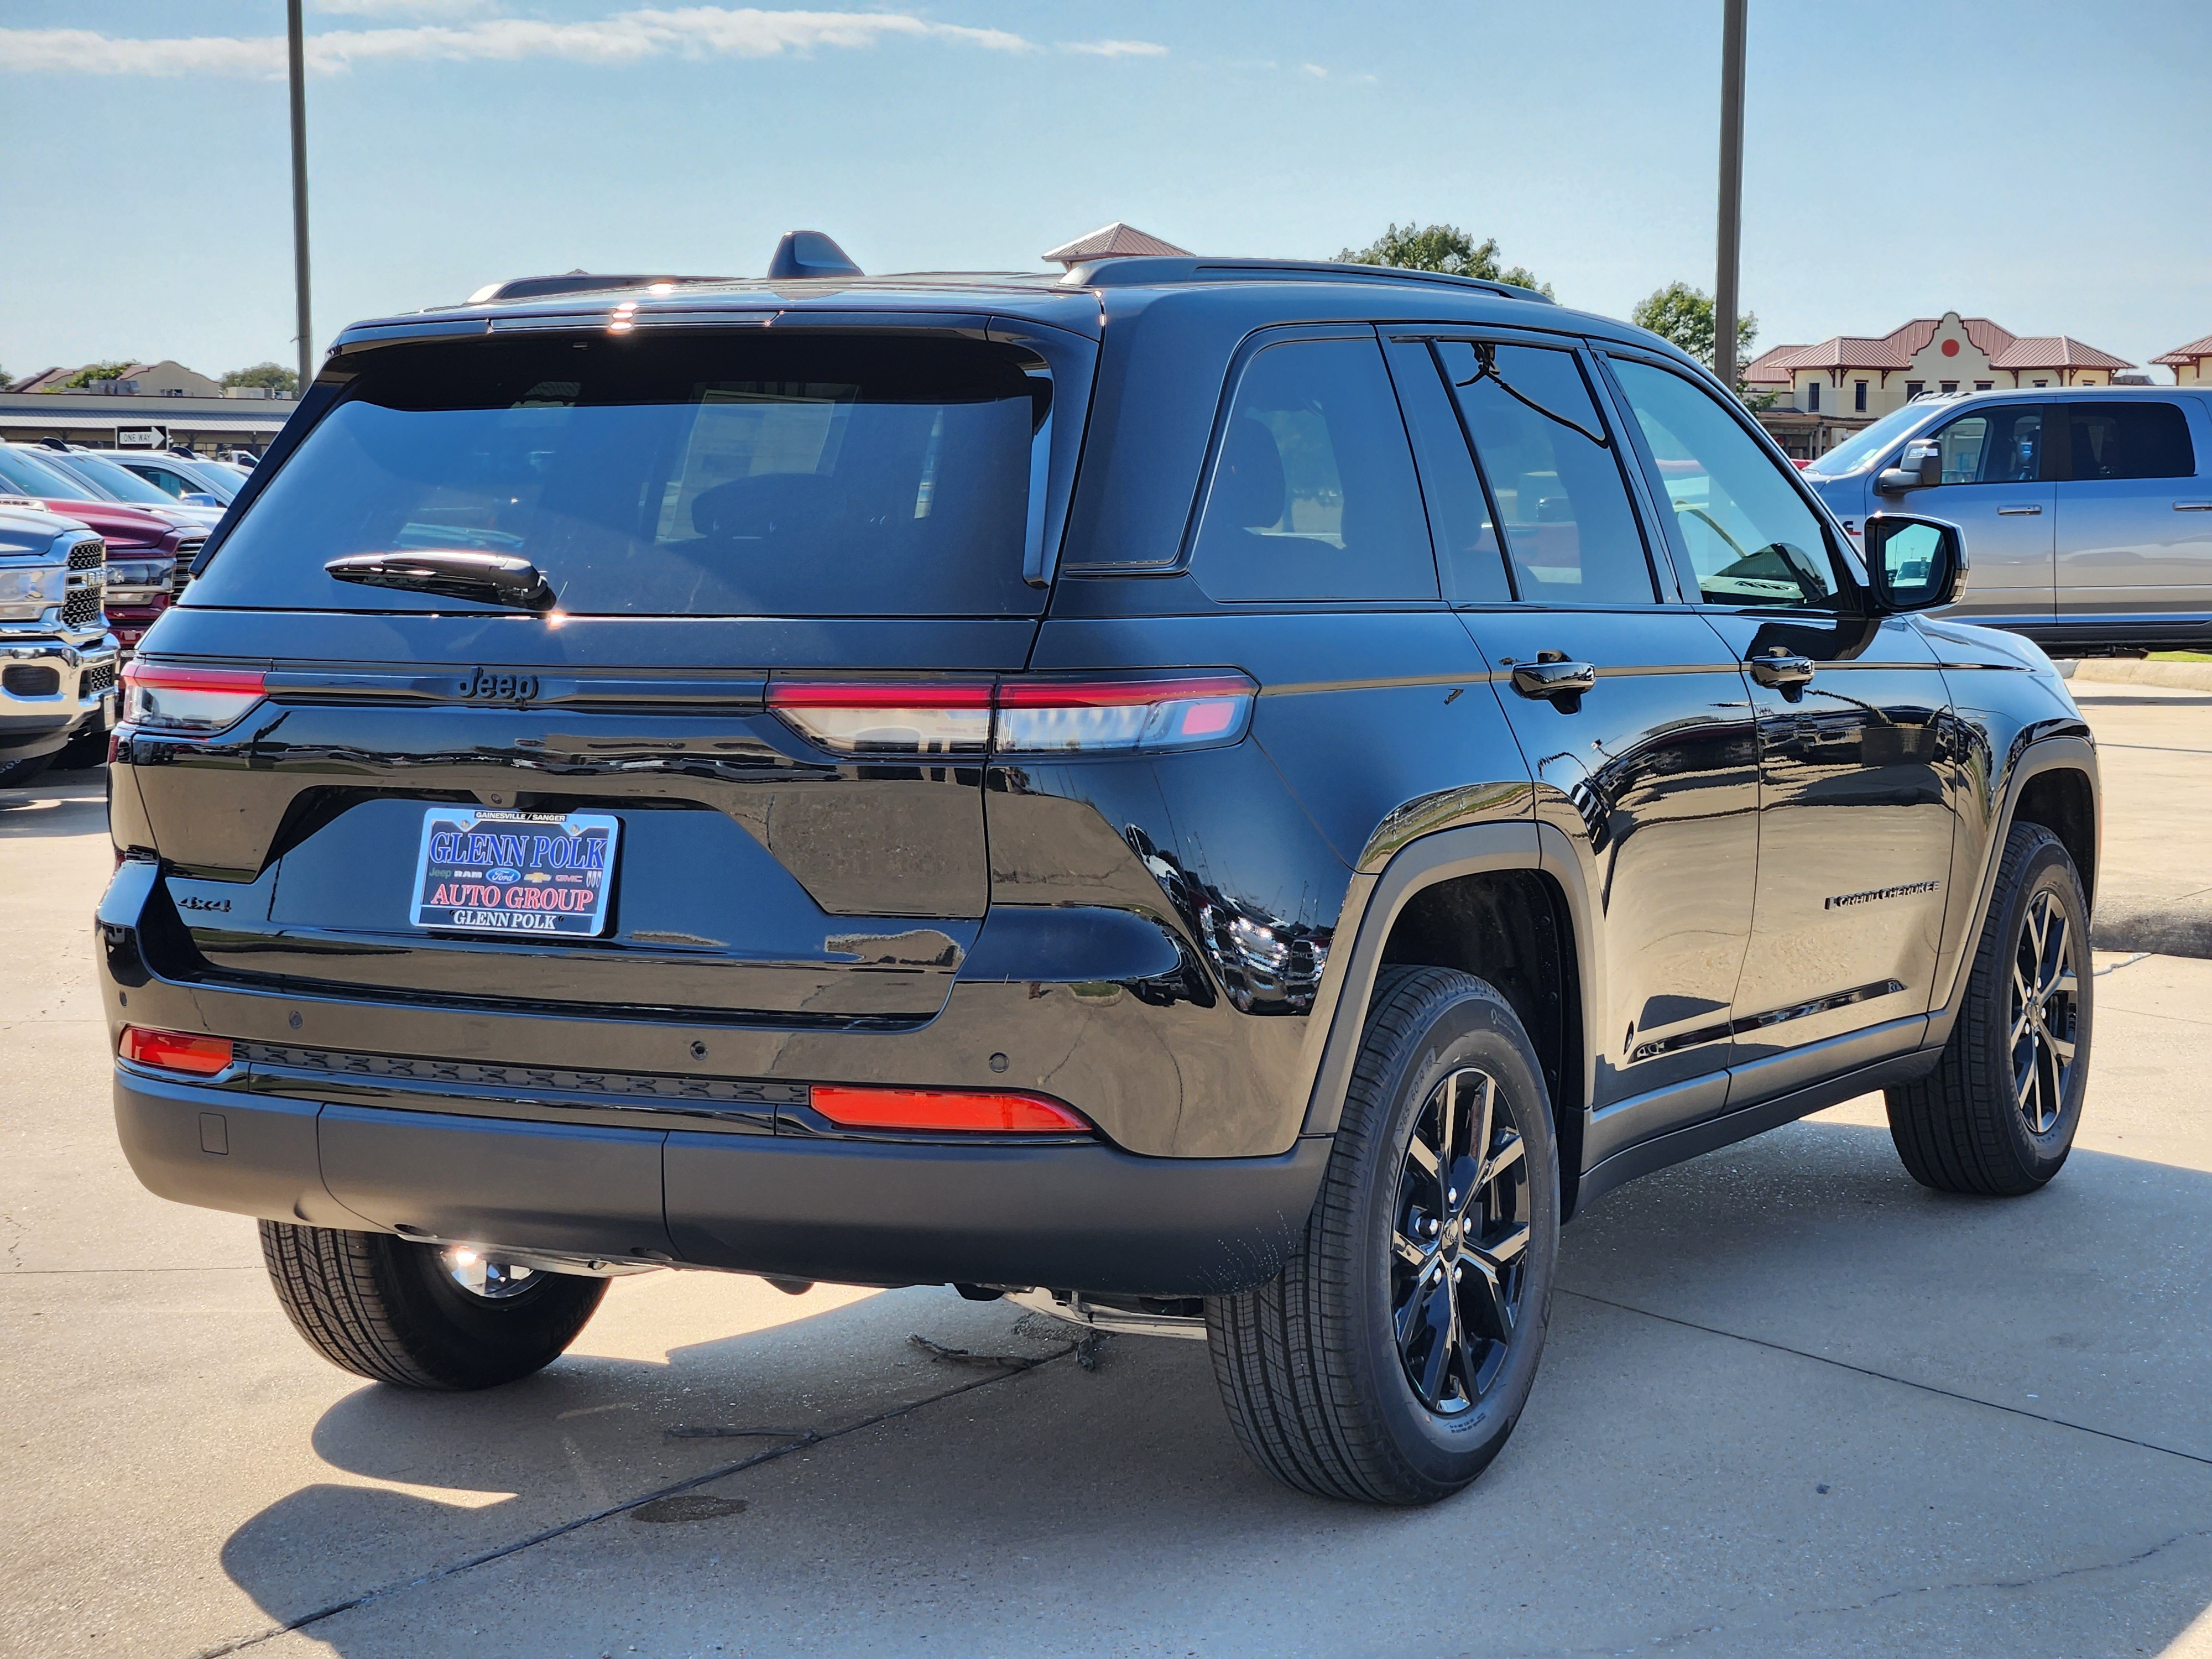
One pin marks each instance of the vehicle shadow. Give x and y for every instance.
(57, 804)
(1713, 1340)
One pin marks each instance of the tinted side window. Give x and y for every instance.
(1752, 538)
(1459, 513)
(2002, 443)
(1570, 532)
(1313, 494)
(2131, 440)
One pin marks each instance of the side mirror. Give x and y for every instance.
(1920, 467)
(199, 498)
(1916, 564)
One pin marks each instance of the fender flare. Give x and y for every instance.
(2030, 761)
(1371, 909)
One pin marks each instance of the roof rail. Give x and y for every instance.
(1142, 271)
(575, 282)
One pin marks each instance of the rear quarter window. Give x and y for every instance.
(1313, 496)
(808, 475)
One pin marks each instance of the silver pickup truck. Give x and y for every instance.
(2087, 511)
(57, 661)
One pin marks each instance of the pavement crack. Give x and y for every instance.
(1887, 1376)
(561, 1530)
(1692, 1632)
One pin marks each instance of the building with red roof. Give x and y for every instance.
(2191, 364)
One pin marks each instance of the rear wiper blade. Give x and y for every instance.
(489, 577)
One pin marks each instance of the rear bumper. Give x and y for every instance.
(1069, 1216)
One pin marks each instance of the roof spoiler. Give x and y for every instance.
(575, 282)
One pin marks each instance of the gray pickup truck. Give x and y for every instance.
(2086, 512)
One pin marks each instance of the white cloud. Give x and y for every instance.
(1315, 71)
(447, 8)
(624, 37)
(1117, 48)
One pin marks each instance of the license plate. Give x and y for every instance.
(531, 873)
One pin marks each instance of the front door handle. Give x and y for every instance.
(2192, 506)
(2018, 512)
(1552, 676)
(1780, 669)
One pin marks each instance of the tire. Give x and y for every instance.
(388, 1310)
(14, 774)
(1997, 1114)
(1310, 1366)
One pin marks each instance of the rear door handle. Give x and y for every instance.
(1552, 675)
(2018, 512)
(1780, 669)
(2192, 506)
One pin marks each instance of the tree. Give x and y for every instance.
(1444, 248)
(91, 372)
(1683, 315)
(283, 380)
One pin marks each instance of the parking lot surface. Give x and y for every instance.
(1792, 1404)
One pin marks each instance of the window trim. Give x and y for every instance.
(1240, 362)
(1841, 554)
(1665, 579)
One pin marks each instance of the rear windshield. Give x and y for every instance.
(718, 475)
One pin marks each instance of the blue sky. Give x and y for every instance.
(2048, 166)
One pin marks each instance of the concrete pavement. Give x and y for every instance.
(1792, 1404)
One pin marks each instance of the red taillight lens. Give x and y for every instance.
(945, 1109)
(1025, 715)
(1148, 713)
(160, 699)
(175, 1051)
(881, 717)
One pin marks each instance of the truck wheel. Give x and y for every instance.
(1998, 1113)
(16, 773)
(397, 1312)
(1390, 1358)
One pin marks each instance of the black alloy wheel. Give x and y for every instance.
(2046, 987)
(1389, 1358)
(1460, 1250)
(1998, 1114)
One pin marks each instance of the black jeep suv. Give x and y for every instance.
(1220, 797)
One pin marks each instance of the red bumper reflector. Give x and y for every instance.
(945, 1109)
(175, 1051)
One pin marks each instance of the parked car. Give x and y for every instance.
(1224, 800)
(57, 661)
(145, 549)
(202, 484)
(2087, 510)
(113, 481)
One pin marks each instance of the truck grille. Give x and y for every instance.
(87, 556)
(95, 679)
(81, 608)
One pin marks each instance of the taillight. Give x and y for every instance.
(175, 1051)
(857, 717)
(854, 1107)
(1151, 713)
(1025, 715)
(162, 699)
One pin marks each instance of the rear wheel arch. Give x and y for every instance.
(1500, 903)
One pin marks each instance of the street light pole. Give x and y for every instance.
(300, 192)
(1731, 227)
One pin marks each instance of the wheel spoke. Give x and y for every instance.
(1419, 1154)
(1438, 1315)
(1492, 1315)
(1511, 1151)
(1502, 1252)
(1413, 1254)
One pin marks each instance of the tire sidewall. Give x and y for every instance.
(2045, 869)
(1476, 1028)
(470, 1341)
